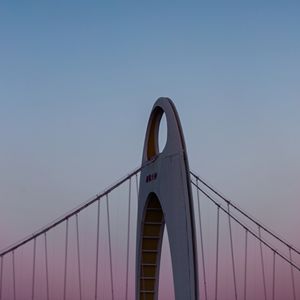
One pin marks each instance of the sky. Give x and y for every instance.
(78, 80)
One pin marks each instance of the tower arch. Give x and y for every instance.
(165, 199)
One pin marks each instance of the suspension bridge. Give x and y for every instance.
(115, 245)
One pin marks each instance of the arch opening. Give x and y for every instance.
(162, 133)
(158, 133)
(166, 279)
(151, 242)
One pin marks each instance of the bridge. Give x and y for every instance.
(161, 224)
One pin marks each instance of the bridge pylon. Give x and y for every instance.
(165, 199)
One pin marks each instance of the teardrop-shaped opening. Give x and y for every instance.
(157, 134)
(166, 282)
(162, 133)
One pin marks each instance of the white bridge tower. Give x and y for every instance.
(165, 198)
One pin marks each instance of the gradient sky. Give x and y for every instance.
(78, 80)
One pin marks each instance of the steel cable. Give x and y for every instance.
(110, 252)
(14, 275)
(273, 284)
(217, 254)
(1, 276)
(78, 258)
(262, 263)
(66, 259)
(128, 240)
(46, 266)
(97, 250)
(202, 245)
(292, 274)
(33, 270)
(232, 254)
(245, 265)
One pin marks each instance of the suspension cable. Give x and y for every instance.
(55, 223)
(201, 240)
(111, 269)
(245, 267)
(66, 259)
(1, 276)
(71, 213)
(217, 254)
(128, 239)
(142, 268)
(33, 269)
(46, 266)
(137, 185)
(14, 274)
(97, 251)
(273, 289)
(78, 258)
(110, 253)
(232, 254)
(292, 274)
(256, 222)
(262, 263)
(249, 230)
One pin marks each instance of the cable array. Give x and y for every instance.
(73, 263)
(70, 214)
(243, 220)
(67, 265)
(247, 215)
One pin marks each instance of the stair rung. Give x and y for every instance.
(147, 278)
(149, 251)
(147, 292)
(152, 237)
(152, 223)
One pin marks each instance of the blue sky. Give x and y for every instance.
(78, 80)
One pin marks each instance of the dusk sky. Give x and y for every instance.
(78, 80)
